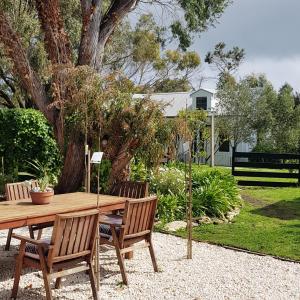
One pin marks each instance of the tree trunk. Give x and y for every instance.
(73, 169)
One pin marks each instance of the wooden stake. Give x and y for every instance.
(89, 172)
(189, 219)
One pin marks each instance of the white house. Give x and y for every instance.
(201, 99)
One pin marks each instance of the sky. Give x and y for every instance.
(268, 30)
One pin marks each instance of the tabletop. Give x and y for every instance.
(23, 213)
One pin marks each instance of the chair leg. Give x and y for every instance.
(152, 254)
(31, 232)
(93, 282)
(8, 240)
(58, 282)
(40, 232)
(19, 266)
(47, 285)
(122, 266)
(119, 256)
(129, 255)
(45, 274)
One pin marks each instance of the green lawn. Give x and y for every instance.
(269, 223)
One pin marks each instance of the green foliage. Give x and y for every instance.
(25, 135)
(104, 172)
(234, 110)
(171, 207)
(252, 107)
(138, 171)
(138, 53)
(168, 180)
(169, 185)
(215, 193)
(225, 62)
(285, 129)
(42, 173)
(199, 15)
(3, 180)
(172, 85)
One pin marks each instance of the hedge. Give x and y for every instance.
(25, 135)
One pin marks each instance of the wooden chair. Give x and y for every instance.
(123, 232)
(17, 191)
(130, 189)
(72, 242)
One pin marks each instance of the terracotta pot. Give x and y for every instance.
(41, 197)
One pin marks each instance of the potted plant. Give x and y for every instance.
(42, 192)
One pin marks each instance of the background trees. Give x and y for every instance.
(141, 54)
(252, 111)
(59, 43)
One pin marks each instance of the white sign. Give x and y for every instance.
(96, 157)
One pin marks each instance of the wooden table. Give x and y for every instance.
(23, 213)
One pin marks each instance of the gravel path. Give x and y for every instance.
(214, 273)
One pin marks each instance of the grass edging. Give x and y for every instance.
(230, 247)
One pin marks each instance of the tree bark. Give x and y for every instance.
(121, 160)
(117, 11)
(73, 169)
(91, 19)
(57, 43)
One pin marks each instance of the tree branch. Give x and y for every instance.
(116, 12)
(7, 99)
(6, 80)
(21, 67)
(57, 42)
(91, 19)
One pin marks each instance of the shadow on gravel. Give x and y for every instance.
(284, 210)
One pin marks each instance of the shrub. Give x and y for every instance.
(215, 193)
(171, 207)
(25, 135)
(168, 184)
(138, 171)
(167, 180)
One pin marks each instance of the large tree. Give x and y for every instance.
(99, 20)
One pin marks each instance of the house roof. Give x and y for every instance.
(175, 101)
(211, 91)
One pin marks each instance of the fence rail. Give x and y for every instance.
(275, 161)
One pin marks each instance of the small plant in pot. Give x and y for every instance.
(41, 190)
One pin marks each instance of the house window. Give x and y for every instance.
(224, 145)
(201, 103)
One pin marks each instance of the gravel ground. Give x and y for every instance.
(214, 273)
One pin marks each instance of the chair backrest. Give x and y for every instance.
(130, 189)
(18, 191)
(73, 236)
(139, 216)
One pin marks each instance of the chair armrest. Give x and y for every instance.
(31, 241)
(113, 220)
